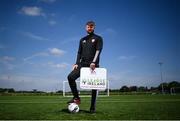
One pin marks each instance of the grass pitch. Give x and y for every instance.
(121, 107)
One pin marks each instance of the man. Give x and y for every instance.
(88, 55)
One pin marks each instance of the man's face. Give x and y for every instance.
(90, 29)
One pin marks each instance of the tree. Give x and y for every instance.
(11, 90)
(124, 89)
(142, 89)
(174, 84)
(133, 88)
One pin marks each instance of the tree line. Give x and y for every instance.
(173, 86)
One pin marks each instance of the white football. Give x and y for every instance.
(73, 108)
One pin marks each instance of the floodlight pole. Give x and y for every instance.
(162, 87)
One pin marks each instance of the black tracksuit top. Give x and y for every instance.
(88, 46)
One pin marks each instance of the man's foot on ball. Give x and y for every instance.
(74, 100)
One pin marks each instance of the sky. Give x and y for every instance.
(39, 41)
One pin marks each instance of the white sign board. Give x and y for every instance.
(93, 79)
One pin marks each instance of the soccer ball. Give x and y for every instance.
(73, 108)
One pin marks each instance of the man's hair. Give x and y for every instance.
(90, 23)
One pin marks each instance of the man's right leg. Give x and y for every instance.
(72, 83)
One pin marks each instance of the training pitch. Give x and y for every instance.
(120, 107)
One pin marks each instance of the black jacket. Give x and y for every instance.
(88, 46)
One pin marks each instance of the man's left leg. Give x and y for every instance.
(93, 98)
(93, 101)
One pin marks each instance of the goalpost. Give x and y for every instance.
(174, 90)
(82, 92)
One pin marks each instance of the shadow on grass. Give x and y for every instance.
(80, 111)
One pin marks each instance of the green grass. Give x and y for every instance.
(123, 107)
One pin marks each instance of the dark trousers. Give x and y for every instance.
(71, 79)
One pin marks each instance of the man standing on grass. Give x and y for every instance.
(88, 55)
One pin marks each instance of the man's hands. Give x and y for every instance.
(92, 66)
(75, 66)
